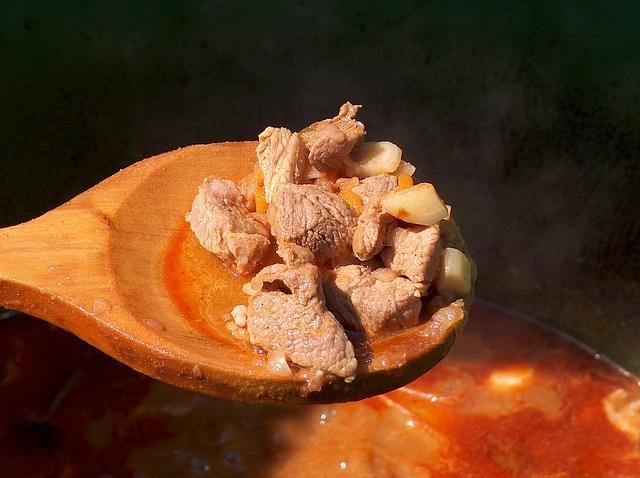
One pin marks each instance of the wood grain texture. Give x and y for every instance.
(93, 266)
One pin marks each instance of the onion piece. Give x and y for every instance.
(248, 289)
(371, 159)
(239, 314)
(454, 277)
(419, 204)
(405, 168)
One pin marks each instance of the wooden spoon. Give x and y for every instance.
(94, 266)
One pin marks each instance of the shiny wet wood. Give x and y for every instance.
(95, 266)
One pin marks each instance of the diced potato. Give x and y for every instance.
(419, 204)
(405, 168)
(371, 159)
(454, 277)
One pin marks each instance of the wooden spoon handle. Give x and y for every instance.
(63, 256)
(46, 264)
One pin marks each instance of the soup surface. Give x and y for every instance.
(511, 399)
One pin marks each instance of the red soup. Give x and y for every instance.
(512, 399)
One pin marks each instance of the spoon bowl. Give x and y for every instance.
(95, 267)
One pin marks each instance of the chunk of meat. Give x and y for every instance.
(283, 158)
(372, 189)
(414, 252)
(373, 223)
(220, 222)
(330, 141)
(363, 302)
(289, 313)
(293, 254)
(311, 217)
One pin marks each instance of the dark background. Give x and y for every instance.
(525, 114)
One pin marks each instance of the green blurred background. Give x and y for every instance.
(525, 114)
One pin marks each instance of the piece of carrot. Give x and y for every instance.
(352, 199)
(404, 181)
